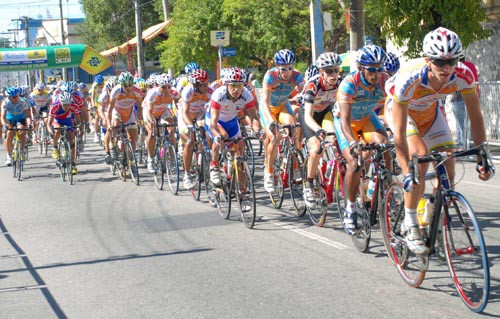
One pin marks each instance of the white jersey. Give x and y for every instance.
(228, 108)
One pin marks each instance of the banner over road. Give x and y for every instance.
(60, 56)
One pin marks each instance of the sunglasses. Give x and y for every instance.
(373, 70)
(441, 62)
(165, 87)
(236, 85)
(202, 84)
(331, 71)
(286, 69)
(127, 85)
(13, 97)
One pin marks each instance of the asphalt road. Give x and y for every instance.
(104, 248)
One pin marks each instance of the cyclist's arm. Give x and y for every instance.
(214, 119)
(110, 110)
(345, 121)
(185, 113)
(399, 117)
(149, 108)
(50, 121)
(308, 117)
(4, 117)
(252, 114)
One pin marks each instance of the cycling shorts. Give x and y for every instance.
(361, 128)
(323, 118)
(64, 122)
(232, 127)
(276, 112)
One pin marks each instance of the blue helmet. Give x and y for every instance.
(12, 91)
(370, 55)
(392, 63)
(82, 86)
(68, 87)
(99, 79)
(191, 66)
(284, 56)
(311, 71)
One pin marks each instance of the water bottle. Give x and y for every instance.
(370, 189)
(429, 210)
(328, 171)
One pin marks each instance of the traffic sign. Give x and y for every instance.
(228, 51)
(219, 38)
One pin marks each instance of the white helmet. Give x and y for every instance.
(327, 59)
(442, 44)
(65, 97)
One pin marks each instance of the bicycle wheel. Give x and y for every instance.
(411, 267)
(69, 162)
(14, 158)
(361, 238)
(465, 252)
(278, 194)
(340, 192)
(222, 196)
(296, 177)
(245, 194)
(18, 162)
(209, 187)
(196, 174)
(132, 162)
(60, 161)
(159, 171)
(41, 138)
(317, 212)
(171, 166)
(250, 156)
(44, 141)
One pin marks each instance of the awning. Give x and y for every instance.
(58, 56)
(147, 35)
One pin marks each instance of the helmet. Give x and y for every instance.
(392, 63)
(137, 80)
(370, 55)
(82, 86)
(163, 79)
(109, 85)
(67, 87)
(284, 56)
(191, 66)
(65, 97)
(12, 91)
(125, 78)
(311, 71)
(40, 86)
(235, 75)
(442, 44)
(150, 82)
(198, 76)
(327, 59)
(99, 79)
(246, 75)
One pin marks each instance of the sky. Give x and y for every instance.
(12, 9)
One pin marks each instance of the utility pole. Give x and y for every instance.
(165, 9)
(357, 33)
(65, 70)
(27, 30)
(316, 29)
(138, 30)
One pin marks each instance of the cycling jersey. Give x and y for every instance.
(316, 94)
(281, 90)
(57, 111)
(125, 103)
(78, 99)
(96, 91)
(15, 112)
(103, 99)
(195, 99)
(228, 108)
(159, 102)
(42, 100)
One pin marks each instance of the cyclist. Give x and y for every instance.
(95, 92)
(392, 64)
(15, 112)
(156, 105)
(415, 115)
(316, 117)
(278, 84)
(357, 97)
(122, 106)
(102, 110)
(64, 111)
(192, 108)
(221, 118)
(183, 79)
(42, 100)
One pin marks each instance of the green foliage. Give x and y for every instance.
(406, 22)
(111, 23)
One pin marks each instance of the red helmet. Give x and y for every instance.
(198, 76)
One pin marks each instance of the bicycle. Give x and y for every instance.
(142, 153)
(165, 158)
(370, 204)
(236, 183)
(461, 239)
(42, 135)
(287, 171)
(123, 155)
(328, 183)
(18, 153)
(64, 161)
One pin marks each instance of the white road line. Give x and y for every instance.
(309, 235)
(480, 184)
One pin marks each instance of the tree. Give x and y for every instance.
(406, 22)
(112, 23)
(257, 30)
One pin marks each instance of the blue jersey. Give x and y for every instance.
(281, 90)
(15, 111)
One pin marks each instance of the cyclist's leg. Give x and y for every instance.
(132, 133)
(22, 134)
(374, 132)
(270, 145)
